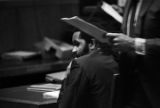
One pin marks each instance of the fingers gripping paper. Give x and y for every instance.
(87, 28)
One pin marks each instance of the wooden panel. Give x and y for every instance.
(24, 22)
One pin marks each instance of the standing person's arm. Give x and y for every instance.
(139, 45)
(126, 43)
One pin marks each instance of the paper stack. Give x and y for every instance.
(48, 87)
(57, 77)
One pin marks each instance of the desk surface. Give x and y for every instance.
(20, 95)
(18, 68)
(15, 73)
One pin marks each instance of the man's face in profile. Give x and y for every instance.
(79, 44)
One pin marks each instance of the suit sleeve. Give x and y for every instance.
(151, 29)
(153, 46)
(68, 97)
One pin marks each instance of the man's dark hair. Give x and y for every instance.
(86, 37)
(105, 47)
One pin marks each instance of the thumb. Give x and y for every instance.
(112, 34)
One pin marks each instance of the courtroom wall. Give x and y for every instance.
(24, 22)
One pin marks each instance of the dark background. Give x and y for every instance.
(25, 22)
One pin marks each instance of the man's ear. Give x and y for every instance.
(92, 45)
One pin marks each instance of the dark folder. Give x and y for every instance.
(87, 28)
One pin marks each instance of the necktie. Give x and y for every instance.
(137, 11)
(131, 19)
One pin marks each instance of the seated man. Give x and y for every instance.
(88, 85)
(80, 47)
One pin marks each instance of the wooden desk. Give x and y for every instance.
(20, 97)
(18, 68)
(27, 72)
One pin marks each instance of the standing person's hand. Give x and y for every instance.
(121, 41)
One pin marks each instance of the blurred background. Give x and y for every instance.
(25, 22)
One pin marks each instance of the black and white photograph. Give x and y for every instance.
(79, 53)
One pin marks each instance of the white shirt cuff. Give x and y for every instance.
(140, 47)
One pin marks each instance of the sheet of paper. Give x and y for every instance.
(56, 76)
(46, 86)
(112, 12)
(53, 94)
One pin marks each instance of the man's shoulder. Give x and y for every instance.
(85, 58)
(94, 58)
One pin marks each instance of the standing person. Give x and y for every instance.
(88, 85)
(139, 47)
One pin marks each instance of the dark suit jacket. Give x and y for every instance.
(89, 83)
(101, 19)
(148, 27)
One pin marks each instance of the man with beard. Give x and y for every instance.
(89, 82)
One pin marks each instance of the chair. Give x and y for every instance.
(113, 87)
